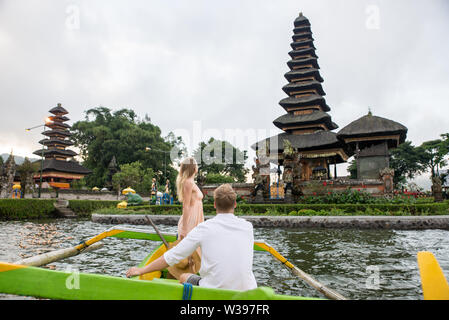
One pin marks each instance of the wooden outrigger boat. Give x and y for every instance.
(26, 278)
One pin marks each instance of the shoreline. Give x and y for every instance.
(335, 222)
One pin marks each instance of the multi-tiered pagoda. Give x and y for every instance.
(59, 167)
(307, 125)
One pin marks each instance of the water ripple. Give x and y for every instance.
(342, 259)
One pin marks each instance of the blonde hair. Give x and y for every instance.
(187, 170)
(224, 197)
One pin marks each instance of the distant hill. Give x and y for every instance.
(18, 159)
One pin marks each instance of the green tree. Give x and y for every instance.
(218, 178)
(432, 156)
(352, 169)
(78, 184)
(26, 170)
(406, 161)
(133, 175)
(104, 134)
(221, 158)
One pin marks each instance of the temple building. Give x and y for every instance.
(370, 139)
(306, 125)
(59, 168)
(309, 148)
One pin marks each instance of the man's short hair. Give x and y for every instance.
(224, 197)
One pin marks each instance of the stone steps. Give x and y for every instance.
(62, 209)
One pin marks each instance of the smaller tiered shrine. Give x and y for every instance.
(59, 168)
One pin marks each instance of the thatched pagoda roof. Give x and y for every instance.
(301, 21)
(58, 110)
(59, 118)
(300, 52)
(294, 86)
(302, 62)
(300, 142)
(315, 117)
(56, 132)
(303, 28)
(64, 166)
(50, 151)
(57, 124)
(296, 45)
(303, 36)
(370, 125)
(51, 141)
(300, 73)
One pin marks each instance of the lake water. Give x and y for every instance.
(359, 264)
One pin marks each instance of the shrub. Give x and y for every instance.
(84, 208)
(26, 209)
(218, 178)
(302, 209)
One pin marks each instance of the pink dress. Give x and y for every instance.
(185, 225)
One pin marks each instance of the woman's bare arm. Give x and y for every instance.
(186, 206)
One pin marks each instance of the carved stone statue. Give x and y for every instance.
(257, 180)
(263, 163)
(437, 189)
(287, 177)
(387, 175)
(7, 177)
(167, 187)
(153, 187)
(112, 169)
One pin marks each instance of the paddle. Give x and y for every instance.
(301, 274)
(158, 233)
(434, 284)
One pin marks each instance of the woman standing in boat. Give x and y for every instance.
(190, 196)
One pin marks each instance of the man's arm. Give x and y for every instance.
(185, 247)
(173, 256)
(156, 265)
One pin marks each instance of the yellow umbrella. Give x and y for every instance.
(122, 205)
(95, 189)
(16, 186)
(128, 190)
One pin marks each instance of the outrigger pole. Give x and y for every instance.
(49, 257)
(299, 273)
(145, 235)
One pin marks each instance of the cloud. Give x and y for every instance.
(221, 63)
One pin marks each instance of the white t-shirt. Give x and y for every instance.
(226, 244)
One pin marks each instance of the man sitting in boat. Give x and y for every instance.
(226, 244)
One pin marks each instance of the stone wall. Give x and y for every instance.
(371, 186)
(374, 187)
(71, 194)
(242, 189)
(337, 222)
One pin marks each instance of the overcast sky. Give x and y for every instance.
(200, 68)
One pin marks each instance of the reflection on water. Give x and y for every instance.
(345, 260)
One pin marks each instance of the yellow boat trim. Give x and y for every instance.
(156, 274)
(4, 266)
(274, 253)
(97, 238)
(434, 284)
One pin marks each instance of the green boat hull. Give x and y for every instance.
(51, 284)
